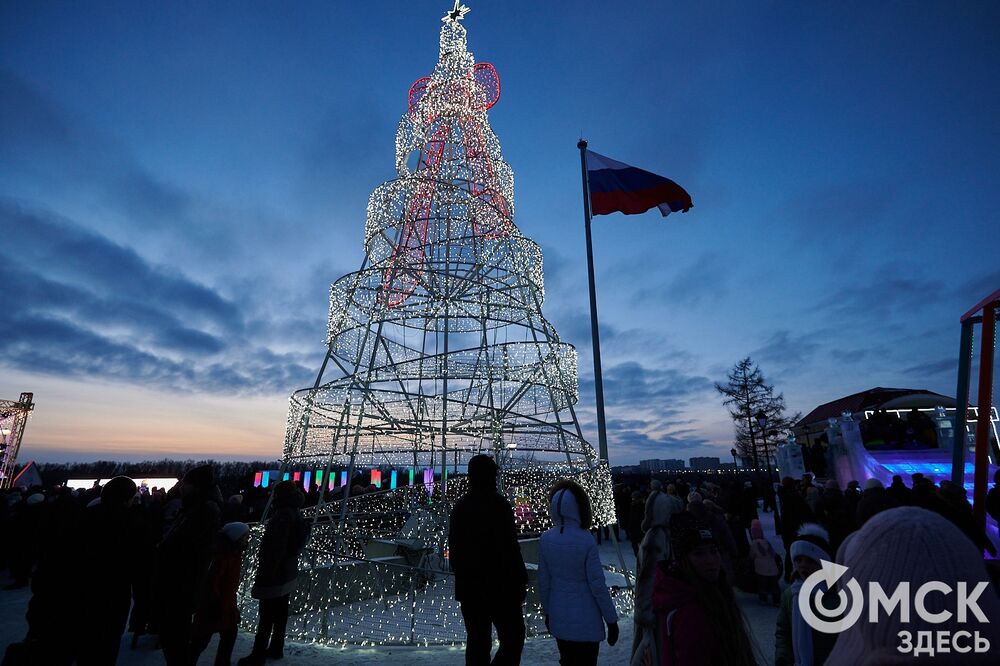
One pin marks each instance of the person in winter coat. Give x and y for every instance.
(795, 642)
(636, 515)
(655, 548)
(765, 565)
(571, 583)
(794, 513)
(698, 617)
(217, 612)
(106, 570)
(284, 538)
(183, 557)
(707, 512)
(916, 546)
(491, 581)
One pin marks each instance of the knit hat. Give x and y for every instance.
(235, 531)
(756, 529)
(872, 484)
(813, 542)
(118, 490)
(687, 533)
(35, 498)
(202, 477)
(913, 545)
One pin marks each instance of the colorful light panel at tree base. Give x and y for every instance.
(285, 477)
(305, 480)
(258, 479)
(392, 480)
(265, 479)
(343, 478)
(376, 478)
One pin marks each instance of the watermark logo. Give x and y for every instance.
(850, 607)
(848, 610)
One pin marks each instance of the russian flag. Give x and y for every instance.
(615, 186)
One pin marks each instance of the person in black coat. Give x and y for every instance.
(106, 572)
(490, 577)
(183, 558)
(794, 513)
(284, 538)
(636, 514)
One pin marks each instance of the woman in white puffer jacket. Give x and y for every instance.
(571, 581)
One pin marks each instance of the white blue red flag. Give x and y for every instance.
(618, 187)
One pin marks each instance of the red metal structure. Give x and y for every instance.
(985, 313)
(454, 108)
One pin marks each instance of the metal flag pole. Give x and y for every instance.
(602, 433)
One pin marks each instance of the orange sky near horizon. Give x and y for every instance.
(76, 419)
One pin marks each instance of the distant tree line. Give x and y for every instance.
(231, 476)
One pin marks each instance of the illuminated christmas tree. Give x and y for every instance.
(439, 351)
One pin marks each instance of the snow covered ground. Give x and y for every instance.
(540, 650)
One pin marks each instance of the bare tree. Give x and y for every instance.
(748, 396)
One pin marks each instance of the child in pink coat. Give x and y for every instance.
(765, 565)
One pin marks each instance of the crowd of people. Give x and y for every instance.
(169, 563)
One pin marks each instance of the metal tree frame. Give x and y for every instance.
(13, 418)
(439, 351)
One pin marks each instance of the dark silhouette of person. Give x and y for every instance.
(794, 512)
(217, 611)
(106, 570)
(184, 556)
(98, 569)
(490, 577)
(284, 538)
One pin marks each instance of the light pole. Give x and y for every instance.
(762, 422)
(736, 466)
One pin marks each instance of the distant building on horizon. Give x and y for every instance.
(706, 462)
(654, 465)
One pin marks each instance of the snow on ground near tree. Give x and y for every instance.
(541, 650)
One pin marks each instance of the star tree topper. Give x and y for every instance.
(457, 13)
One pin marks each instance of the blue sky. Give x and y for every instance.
(180, 182)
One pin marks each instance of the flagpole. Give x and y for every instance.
(602, 431)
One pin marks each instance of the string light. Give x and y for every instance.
(441, 352)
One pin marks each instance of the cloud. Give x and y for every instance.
(883, 292)
(784, 349)
(705, 280)
(932, 368)
(870, 204)
(978, 288)
(78, 304)
(37, 134)
(636, 385)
